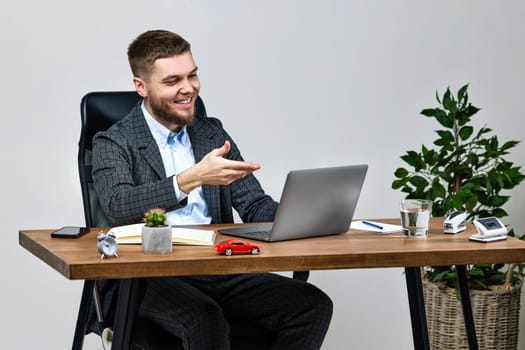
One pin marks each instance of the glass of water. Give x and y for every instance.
(415, 216)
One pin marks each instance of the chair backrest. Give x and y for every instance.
(98, 111)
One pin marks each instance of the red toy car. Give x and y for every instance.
(234, 246)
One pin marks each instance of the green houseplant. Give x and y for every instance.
(467, 170)
(155, 217)
(156, 234)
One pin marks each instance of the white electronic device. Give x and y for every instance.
(453, 221)
(489, 229)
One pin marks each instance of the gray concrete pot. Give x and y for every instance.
(156, 240)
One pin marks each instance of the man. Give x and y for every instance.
(164, 155)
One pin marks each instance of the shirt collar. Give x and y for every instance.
(160, 132)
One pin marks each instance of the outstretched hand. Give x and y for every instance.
(214, 169)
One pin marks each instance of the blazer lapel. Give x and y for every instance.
(145, 142)
(152, 155)
(204, 139)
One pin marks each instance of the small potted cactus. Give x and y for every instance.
(156, 234)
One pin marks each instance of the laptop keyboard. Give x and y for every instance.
(264, 234)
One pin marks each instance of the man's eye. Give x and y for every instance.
(170, 82)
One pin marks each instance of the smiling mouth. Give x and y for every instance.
(183, 102)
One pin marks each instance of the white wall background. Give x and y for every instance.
(297, 84)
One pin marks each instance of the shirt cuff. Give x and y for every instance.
(178, 193)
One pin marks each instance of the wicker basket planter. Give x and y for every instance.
(495, 312)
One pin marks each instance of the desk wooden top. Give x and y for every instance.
(79, 258)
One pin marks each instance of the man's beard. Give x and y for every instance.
(171, 117)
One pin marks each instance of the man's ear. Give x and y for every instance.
(140, 87)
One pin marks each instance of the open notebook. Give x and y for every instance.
(131, 234)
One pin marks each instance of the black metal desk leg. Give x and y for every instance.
(418, 314)
(461, 274)
(130, 296)
(83, 315)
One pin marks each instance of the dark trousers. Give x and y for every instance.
(196, 309)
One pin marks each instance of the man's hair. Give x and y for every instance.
(152, 45)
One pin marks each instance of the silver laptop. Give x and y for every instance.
(314, 202)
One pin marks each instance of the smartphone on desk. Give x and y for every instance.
(70, 232)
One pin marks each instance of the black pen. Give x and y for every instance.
(372, 224)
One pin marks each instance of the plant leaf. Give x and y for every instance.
(444, 119)
(418, 181)
(509, 144)
(429, 112)
(471, 110)
(412, 158)
(445, 135)
(448, 102)
(465, 132)
(462, 93)
(401, 172)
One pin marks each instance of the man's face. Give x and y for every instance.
(171, 90)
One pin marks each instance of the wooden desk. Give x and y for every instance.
(79, 259)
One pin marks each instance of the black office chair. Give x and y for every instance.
(99, 110)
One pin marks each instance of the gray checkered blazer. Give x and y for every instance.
(129, 175)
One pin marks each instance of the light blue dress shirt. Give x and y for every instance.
(177, 156)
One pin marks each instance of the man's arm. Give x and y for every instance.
(125, 185)
(225, 166)
(246, 194)
(214, 169)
